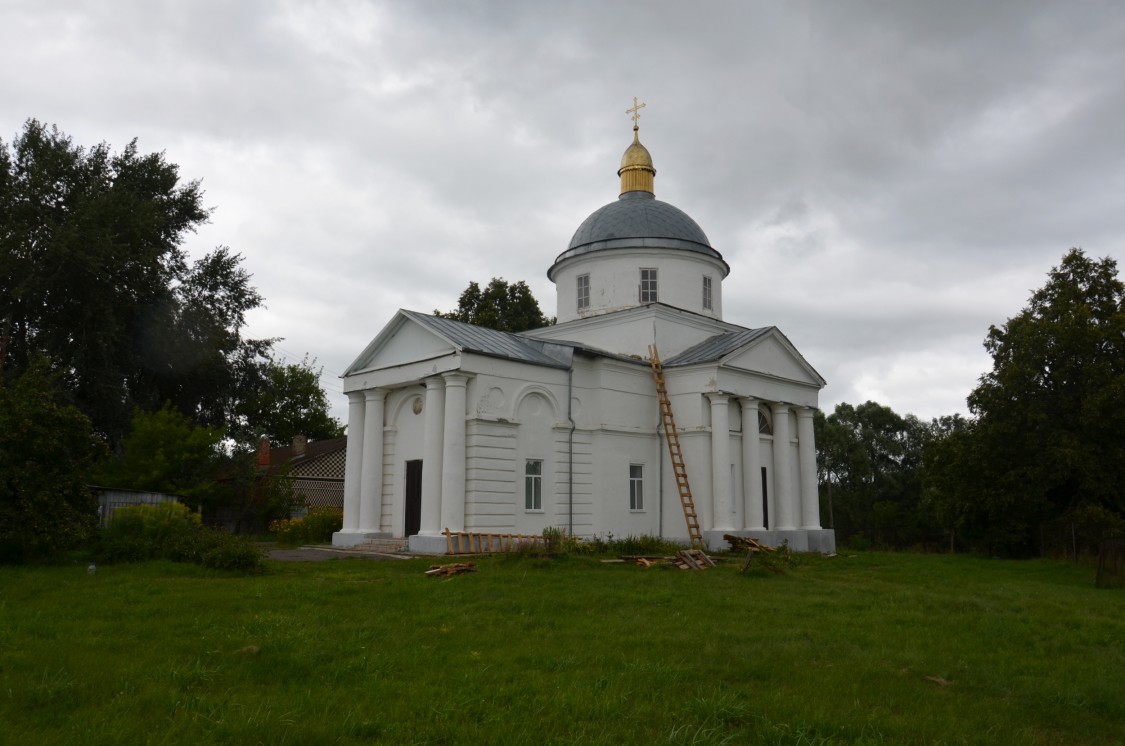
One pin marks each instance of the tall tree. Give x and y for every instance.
(166, 452)
(94, 277)
(287, 401)
(1050, 435)
(503, 306)
(870, 457)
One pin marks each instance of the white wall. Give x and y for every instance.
(615, 279)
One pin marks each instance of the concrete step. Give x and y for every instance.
(382, 546)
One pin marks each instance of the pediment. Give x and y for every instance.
(402, 341)
(775, 356)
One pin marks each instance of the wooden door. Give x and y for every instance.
(765, 501)
(413, 497)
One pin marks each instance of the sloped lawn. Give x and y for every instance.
(872, 648)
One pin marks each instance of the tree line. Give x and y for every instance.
(109, 329)
(1039, 465)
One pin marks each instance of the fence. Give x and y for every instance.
(110, 500)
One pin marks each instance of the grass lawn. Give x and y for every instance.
(873, 648)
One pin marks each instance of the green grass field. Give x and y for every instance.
(874, 648)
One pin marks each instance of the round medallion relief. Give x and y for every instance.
(416, 407)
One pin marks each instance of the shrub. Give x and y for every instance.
(223, 551)
(777, 561)
(140, 532)
(644, 545)
(321, 523)
(172, 531)
(46, 454)
(315, 528)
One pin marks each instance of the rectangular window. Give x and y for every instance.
(707, 292)
(648, 286)
(583, 291)
(636, 487)
(533, 485)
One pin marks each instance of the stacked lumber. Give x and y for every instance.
(693, 559)
(746, 544)
(455, 568)
(644, 561)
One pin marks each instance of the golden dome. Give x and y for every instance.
(636, 172)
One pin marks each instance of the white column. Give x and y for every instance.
(353, 463)
(371, 484)
(806, 464)
(783, 483)
(431, 458)
(453, 454)
(721, 518)
(751, 466)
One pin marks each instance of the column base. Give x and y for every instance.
(428, 544)
(354, 537)
(821, 540)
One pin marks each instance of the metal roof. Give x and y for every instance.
(716, 347)
(637, 219)
(486, 341)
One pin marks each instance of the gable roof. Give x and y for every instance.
(725, 349)
(457, 336)
(485, 341)
(717, 347)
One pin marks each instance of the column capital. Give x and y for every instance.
(434, 382)
(717, 397)
(455, 378)
(749, 402)
(355, 396)
(778, 407)
(805, 412)
(376, 394)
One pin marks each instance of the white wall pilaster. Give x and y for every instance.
(751, 466)
(432, 448)
(806, 457)
(353, 466)
(371, 479)
(783, 483)
(453, 453)
(720, 463)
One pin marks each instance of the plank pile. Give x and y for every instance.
(455, 568)
(693, 559)
(746, 544)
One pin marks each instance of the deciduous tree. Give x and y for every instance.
(166, 452)
(1049, 439)
(47, 451)
(286, 401)
(94, 277)
(503, 306)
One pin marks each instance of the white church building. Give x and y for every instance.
(452, 426)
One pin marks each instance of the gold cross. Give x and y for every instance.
(635, 111)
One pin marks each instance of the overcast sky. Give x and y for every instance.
(885, 179)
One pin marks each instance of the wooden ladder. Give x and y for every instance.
(674, 452)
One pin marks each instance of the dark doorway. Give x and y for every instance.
(765, 501)
(413, 497)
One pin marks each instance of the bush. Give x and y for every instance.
(559, 542)
(172, 531)
(776, 561)
(315, 528)
(141, 532)
(222, 551)
(46, 454)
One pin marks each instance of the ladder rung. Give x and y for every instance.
(679, 469)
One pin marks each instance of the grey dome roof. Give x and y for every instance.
(638, 220)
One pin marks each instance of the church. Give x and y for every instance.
(466, 429)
